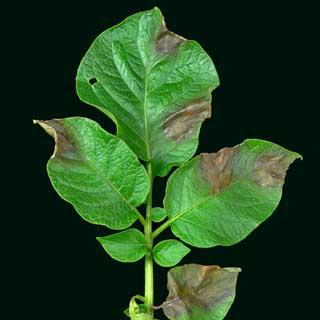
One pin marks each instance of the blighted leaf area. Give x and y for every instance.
(267, 170)
(217, 168)
(180, 124)
(154, 84)
(200, 292)
(96, 172)
(167, 41)
(270, 169)
(220, 198)
(63, 143)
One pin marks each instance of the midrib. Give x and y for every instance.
(209, 197)
(104, 179)
(146, 131)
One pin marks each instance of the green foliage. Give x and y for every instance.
(137, 311)
(219, 198)
(156, 86)
(96, 172)
(158, 214)
(168, 253)
(200, 292)
(126, 246)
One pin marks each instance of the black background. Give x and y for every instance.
(264, 56)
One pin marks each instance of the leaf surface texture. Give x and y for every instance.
(126, 246)
(220, 198)
(154, 84)
(96, 172)
(199, 292)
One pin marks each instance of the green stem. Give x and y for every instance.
(149, 259)
(164, 226)
(141, 218)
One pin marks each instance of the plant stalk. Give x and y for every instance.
(149, 285)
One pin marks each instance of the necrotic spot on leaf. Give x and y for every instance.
(63, 143)
(146, 68)
(181, 123)
(193, 287)
(270, 169)
(167, 41)
(93, 81)
(216, 168)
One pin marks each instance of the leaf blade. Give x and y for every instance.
(168, 253)
(126, 246)
(226, 195)
(200, 292)
(158, 214)
(96, 172)
(143, 71)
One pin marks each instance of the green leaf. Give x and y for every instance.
(154, 84)
(220, 198)
(200, 292)
(126, 246)
(158, 214)
(138, 311)
(96, 172)
(168, 253)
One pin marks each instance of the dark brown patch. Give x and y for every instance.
(181, 123)
(55, 128)
(270, 169)
(198, 287)
(167, 41)
(216, 168)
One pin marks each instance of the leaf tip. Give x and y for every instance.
(299, 156)
(64, 144)
(271, 168)
(155, 8)
(100, 240)
(233, 269)
(46, 126)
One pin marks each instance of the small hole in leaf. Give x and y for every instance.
(93, 81)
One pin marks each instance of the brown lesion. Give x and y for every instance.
(63, 142)
(167, 41)
(180, 124)
(216, 168)
(270, 169)
(198, 287)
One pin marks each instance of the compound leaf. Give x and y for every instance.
(126, 246)
(200, 292)
(220, 198)
(154, 84)
(168, 253)
(96, 172)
